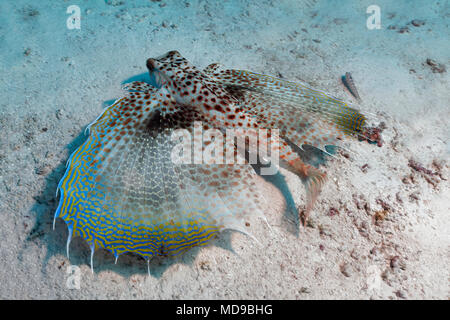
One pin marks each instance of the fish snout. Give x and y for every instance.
(151, 65)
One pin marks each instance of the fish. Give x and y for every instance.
(349, 83)
(123, 191)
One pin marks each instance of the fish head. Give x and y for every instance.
(177, 75)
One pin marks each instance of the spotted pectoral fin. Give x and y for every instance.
(300, 128)
(122, 190)
(315, 103)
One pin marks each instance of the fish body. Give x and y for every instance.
(122, 190)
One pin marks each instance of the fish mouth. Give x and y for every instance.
(151, 65)
(155, 74)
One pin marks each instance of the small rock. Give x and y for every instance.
(340, 21)
(435, 66)
(418, 167)
(403, 30)
(61, 264)
(333, 211)
(400, 294)
(397, 263)
(49, 155)
(114, 3)
(43, 170)
(417, 23)
(204, 265)
(324, 231)
(345, 154)
(354, 255)
(372, 135)
(388, 276)
(414, 196)
(431, 62)
(398, 197)
(59, 114)
(310, 223)
(304, 290)
(346, 270)
(364, 225)
(380, 215)
(29, 12)
(391, 15)
(384, 205)
(367, 208)
(394, 262)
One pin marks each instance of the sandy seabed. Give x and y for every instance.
(380, 228)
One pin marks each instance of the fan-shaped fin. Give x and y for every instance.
(123, 192)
